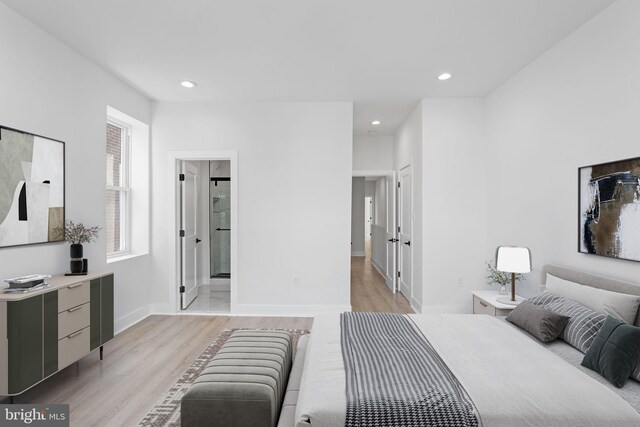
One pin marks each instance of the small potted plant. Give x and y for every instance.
(77, 234)
(501, 278)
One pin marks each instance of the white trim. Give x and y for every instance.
(288, 310)
(379, 268)
(125, 257)
(416, 306)
(371, 173)
(174, 218)
(128, 320)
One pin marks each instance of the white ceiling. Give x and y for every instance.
(383, 55)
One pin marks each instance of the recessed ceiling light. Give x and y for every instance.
(376, 122)
(373, 132)
(444, 76)
(188, 84)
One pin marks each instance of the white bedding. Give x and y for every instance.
(512, 380)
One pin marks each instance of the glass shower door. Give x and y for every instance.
(220, 227)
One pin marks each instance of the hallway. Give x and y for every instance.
(369, 291)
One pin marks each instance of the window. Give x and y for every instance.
(118, 188)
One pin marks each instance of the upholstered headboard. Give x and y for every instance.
(592, 280)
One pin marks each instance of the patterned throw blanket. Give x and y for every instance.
(395, 377)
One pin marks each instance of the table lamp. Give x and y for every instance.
(512, 259)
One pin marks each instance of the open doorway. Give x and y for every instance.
(205, 248)
(374, 248)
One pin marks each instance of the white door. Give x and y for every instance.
(405, 222)
(189, 232)
(368, 209)
(390, 234)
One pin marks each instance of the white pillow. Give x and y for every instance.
(620, 306)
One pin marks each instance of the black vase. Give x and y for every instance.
(75, 253)
(75, 265)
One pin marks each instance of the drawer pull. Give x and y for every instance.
(482, 303)
(75, 334)
(74, 286)
(71, 310)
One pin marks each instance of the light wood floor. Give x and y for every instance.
(369, 291)
(140, 366)
(143, 362)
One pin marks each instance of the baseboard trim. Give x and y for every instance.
(378, 267)
(416, 306)
(131, 319)
(357, 253)
(288, 310)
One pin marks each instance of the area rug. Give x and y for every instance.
(166, 413)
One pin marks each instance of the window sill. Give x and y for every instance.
(125, 257)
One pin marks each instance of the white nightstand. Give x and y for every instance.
(484, 302)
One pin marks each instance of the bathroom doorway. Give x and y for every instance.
(219, 219)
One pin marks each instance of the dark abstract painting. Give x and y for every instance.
(609, 209)
(31, 188)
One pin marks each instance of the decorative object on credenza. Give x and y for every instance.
(31, 188)
(500, 278)
(24, 284)
(512, 260)
(77, 234)
(609, 209)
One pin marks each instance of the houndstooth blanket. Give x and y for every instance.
(394, 377)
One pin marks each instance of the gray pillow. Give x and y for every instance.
(615, 351)
(583, 325)
(538, 321)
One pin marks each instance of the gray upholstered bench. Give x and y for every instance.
(243, 385)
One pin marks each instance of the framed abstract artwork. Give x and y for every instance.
(609, 209)
(31, 188)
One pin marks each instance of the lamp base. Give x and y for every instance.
(507, 300)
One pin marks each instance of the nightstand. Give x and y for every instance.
(484, 302)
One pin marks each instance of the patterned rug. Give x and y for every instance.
(166, 413)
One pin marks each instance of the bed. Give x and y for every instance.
(497, 374)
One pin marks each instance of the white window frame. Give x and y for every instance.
(125, 173)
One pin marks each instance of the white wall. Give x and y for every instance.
(287, 203)
(372, 153)
(576, 105)
(454, 202)
(357, 216)
(378, 228)
(408, 151)
(49, 89)
(369, 188)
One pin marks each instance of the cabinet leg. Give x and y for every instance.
(101, 352)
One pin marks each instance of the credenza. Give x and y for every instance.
(44, 331)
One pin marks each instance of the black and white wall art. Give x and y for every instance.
(31, 188)
(609, 209)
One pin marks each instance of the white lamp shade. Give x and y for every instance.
(512, 259)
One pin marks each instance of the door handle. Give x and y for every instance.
(198, 240)
(392, 240)
(408, 243)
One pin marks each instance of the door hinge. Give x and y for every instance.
(398, 185)
(398, 229)
(182, 289)
(398, 274)
(181, 177)
(181, 233)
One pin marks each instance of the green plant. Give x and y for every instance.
(499, 277)
(77, 234)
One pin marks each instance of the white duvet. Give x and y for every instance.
(512, 380)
